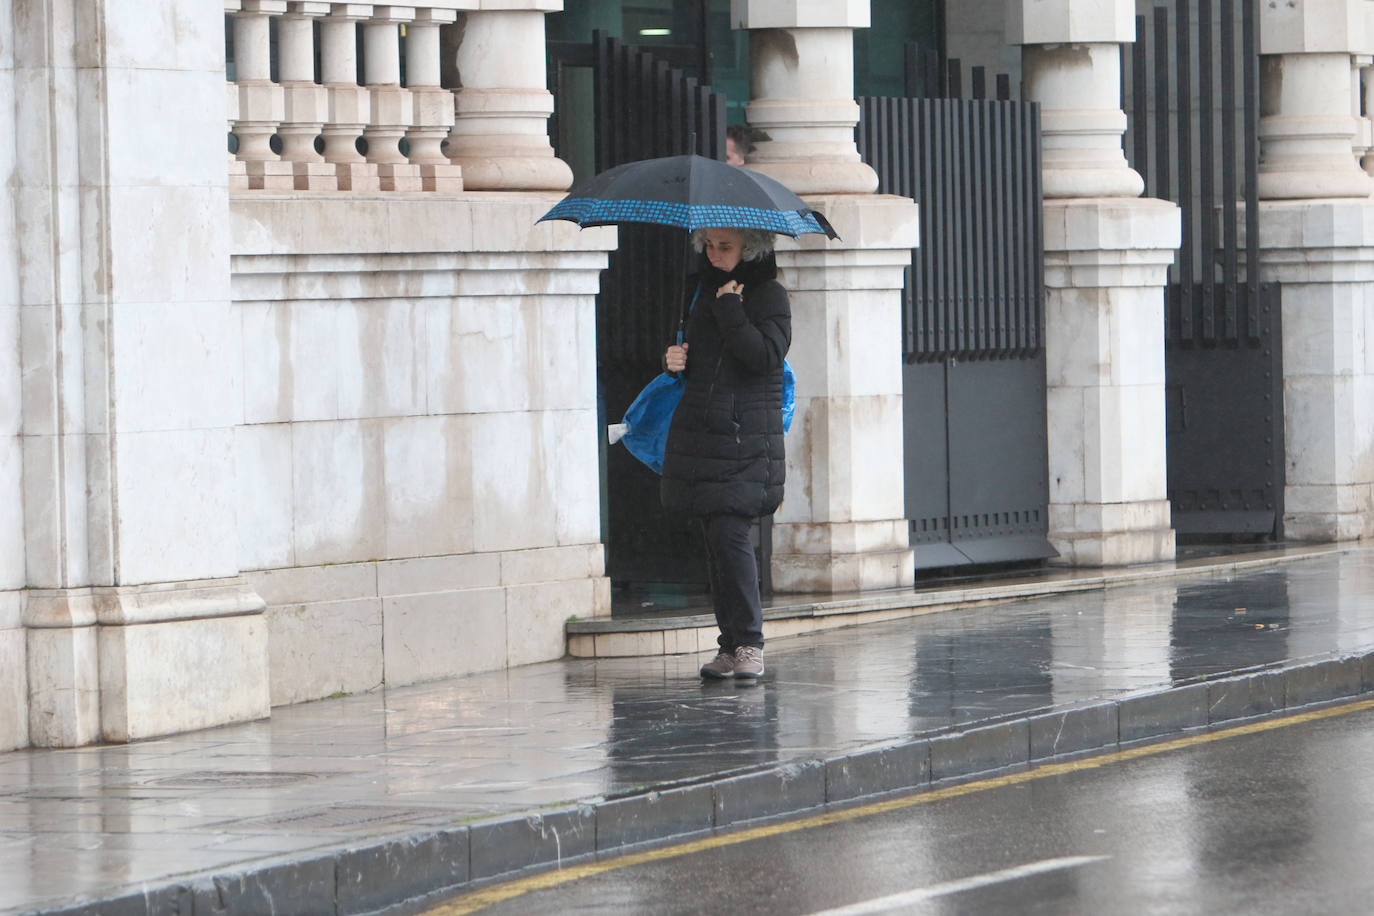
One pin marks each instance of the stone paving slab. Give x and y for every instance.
(352, 804)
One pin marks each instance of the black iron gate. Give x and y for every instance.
(1193, 98)
(643, 108)
(977, 479)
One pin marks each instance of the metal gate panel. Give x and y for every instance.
(1225, 423)
(976, 474)
(1192, 94)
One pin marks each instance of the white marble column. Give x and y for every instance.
(801, 91)
(842, 525)
(1106, 254)
(261, 104)
(305, 102)
(433, 105)
(1317, 240)
(350, 108)
(501, 134)
(130, 543)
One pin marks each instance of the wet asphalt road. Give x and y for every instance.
(1278, 821)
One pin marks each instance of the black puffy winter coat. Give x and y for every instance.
(725, 446)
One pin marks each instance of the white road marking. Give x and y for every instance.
(884, 904)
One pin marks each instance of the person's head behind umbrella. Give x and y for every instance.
(725, 247)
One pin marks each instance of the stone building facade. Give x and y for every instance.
(296, 421)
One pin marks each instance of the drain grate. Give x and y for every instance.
(341, 817)
(215, 779)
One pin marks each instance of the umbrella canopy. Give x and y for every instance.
(690, 192)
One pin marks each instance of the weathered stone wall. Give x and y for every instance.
(418, 477)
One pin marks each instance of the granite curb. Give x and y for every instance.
(399, 872)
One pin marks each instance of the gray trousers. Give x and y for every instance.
(733, 571)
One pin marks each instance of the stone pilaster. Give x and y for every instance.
(1106, 254)
(128, 471)
(1106, 263)
(801, 86)
(842, 525)
(1322, 254)
(14, 723)
(500, 136)
(1317, 240)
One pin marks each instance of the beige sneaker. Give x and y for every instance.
(748, 661)
(720, 666)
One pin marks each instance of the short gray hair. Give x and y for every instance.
(754, 243)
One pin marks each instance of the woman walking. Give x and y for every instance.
(724, 462)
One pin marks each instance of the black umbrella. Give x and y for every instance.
(690, 192)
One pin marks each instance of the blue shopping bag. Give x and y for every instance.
(644, 431)
(649, 416)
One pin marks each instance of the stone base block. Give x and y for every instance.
(1115, 534)
(1328, 513)
(351, 627)
(326, 648)
(514, 173)
(181, 675)
(315, 176)
(834, 538)
(270, 175)
(444, 178)
(64, 689)
(14, 690)
(399, 176)
(238, 175)
(843, 572)
(357, 176)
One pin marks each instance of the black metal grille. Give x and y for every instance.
(1201, 150)
(973, 404)
(976, 284)
(646, 109)
(1192, 93)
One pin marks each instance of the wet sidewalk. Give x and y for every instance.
(353, 804)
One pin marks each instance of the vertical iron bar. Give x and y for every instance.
(1229, 228)
(1035, 201)
(1020, 226)
(1140, 104)
(1160, 114)
(1207, 201)
(941, 275)
(904, 130)
(997, 228)
(1250, 59)
(1186, 274)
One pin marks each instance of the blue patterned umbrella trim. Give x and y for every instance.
(594, 211)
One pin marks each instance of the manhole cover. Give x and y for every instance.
(219, 780)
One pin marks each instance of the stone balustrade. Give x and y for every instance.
(299, 105)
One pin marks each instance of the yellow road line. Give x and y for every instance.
(500, 892)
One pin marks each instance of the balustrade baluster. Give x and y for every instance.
(260, 100)
(350, 109)
(433, 105)
(238, 172)
(306, 103)
(392, 111)
(501, 135)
